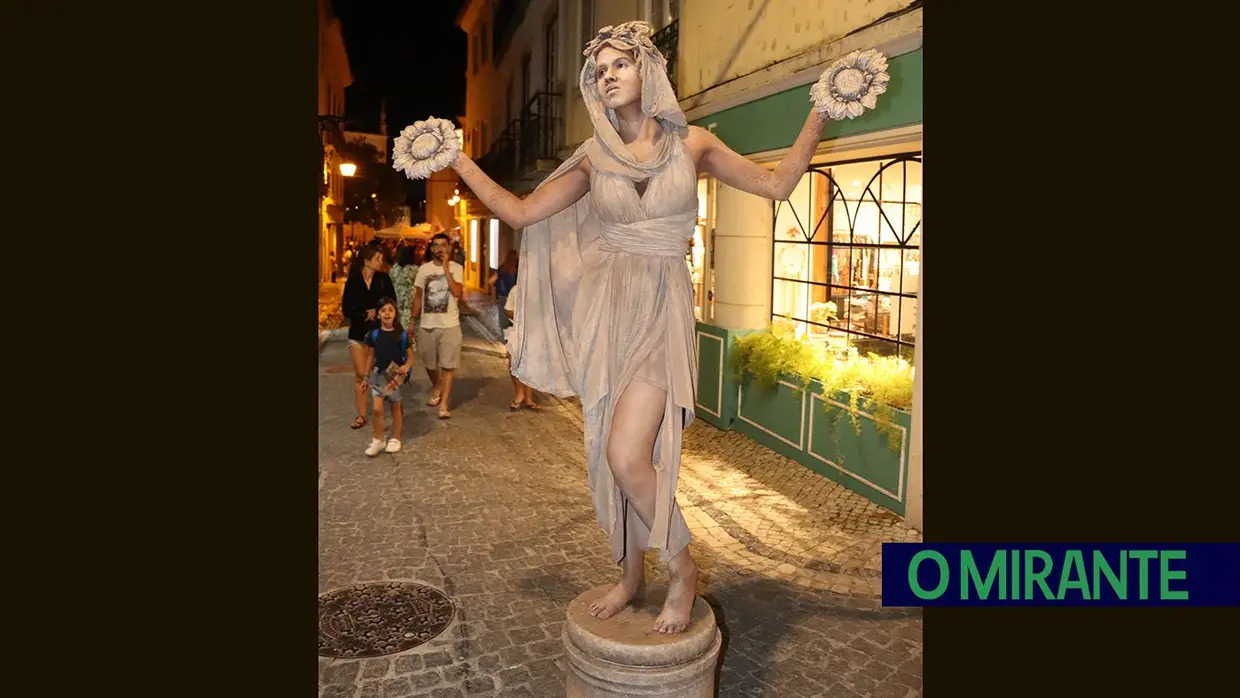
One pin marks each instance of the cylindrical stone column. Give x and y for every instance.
(743, 235)
(623, 656)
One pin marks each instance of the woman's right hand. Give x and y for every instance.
(547, 200)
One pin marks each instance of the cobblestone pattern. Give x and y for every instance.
(493, 508)
(774, 515)
(486, 315)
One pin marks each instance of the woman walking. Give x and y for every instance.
(364, 288)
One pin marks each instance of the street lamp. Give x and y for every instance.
(348, 169)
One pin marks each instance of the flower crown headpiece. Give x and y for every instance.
(632, 35)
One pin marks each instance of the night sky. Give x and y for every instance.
(409, 52)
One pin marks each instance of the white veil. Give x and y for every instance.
(550, 268)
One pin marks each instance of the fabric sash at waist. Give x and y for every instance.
(659, 237)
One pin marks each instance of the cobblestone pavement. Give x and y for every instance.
(492, 507)
(484, 320)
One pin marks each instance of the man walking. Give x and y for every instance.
(437, 288)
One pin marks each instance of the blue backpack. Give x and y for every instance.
(404, 344)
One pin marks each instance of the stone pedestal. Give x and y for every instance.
(623, 656)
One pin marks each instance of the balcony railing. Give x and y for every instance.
(331, 130)
(667, 40)
(331, 134)
(527, 148)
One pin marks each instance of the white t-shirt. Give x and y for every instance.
(439, 308)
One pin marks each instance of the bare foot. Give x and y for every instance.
(681, 593)
(615, 600)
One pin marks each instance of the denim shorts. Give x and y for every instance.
(379, 387)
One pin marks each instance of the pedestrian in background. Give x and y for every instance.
(403, 274)
(525, 394)
(437, 289)
(360, 303)
(502, 281)
(389, 356)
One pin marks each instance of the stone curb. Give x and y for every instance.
(333, 335)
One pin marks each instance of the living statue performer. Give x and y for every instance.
(604, 304)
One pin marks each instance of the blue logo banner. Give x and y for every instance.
(1061, 574)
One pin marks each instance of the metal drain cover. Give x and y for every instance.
(371, 620)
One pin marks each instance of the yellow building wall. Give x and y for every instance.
(721, 41)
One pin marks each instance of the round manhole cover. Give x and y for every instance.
(371, 620)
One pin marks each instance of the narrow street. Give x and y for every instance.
(492, 508)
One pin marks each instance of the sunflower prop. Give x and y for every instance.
(425, 147)
(851, 85)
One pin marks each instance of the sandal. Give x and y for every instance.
(532, 406)
(434, 401)
(514, 406)
(444, 415)
(358, 423)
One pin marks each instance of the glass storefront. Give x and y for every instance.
(696, 257)
(847, 255)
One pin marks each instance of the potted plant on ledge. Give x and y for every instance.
(796, 391)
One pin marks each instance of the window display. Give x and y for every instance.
(800, 268)
(847, 255)
(696, 256)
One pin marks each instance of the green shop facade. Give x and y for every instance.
(838, 263)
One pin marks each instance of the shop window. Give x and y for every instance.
(493, 244)
(696, 256)
(473, 243)
(847, 255)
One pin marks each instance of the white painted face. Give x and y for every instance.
(619, 82)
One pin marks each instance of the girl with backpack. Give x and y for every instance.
(389, 358)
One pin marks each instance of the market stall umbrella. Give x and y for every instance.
(406, 232)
